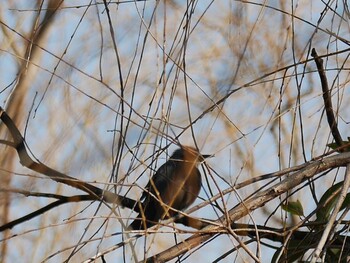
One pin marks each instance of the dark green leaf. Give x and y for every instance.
(334, 146)
(294, 208)
(326, 207)
(327, 203)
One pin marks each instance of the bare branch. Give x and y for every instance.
(61, 201)
(327, 99)
(253, 203)
(27, 161)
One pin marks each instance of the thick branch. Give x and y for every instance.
(293, 180)
(327, 99)
(99, 194)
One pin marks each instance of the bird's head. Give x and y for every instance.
(189, 154)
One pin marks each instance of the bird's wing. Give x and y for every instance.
(160, 180)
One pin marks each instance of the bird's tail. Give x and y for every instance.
(140, 224)
(137, 224)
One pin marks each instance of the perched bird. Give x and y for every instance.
(176, 184)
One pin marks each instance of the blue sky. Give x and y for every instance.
(230, 45)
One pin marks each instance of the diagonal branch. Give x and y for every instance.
(327, 99)
(330, 224)
(62, 200)
(241, 210)
(98, 193)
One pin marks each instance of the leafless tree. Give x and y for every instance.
(95, 96)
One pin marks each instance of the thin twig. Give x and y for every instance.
(61, 201)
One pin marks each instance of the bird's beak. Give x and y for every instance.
(202, 157)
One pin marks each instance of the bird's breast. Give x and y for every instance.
(188, 185)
